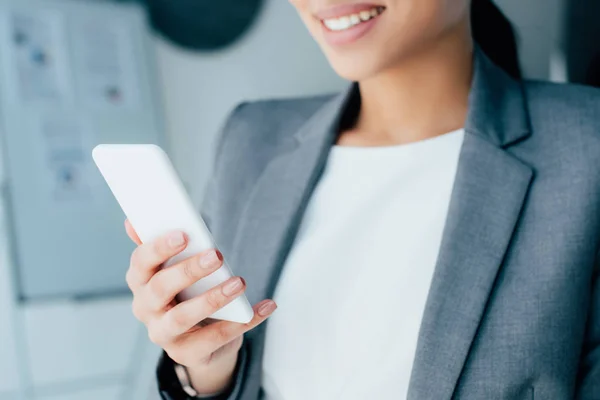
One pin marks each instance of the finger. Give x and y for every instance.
(214, 336)
(187, 314)
(132, 233)
(148, 258)
(167, 283)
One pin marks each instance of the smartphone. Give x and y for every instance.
(148, 189)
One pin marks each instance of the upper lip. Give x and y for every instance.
(344, 9)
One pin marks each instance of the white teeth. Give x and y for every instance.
(332, 24)
(344, 23)
(348, 21)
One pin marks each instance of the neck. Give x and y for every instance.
(423, 96)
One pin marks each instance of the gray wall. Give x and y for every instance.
(540, 30)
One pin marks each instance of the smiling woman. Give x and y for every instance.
(430, 233)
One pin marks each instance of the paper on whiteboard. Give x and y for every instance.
(37, 45)
(67, 146)
(103, 56)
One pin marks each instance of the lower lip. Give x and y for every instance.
(351, 35)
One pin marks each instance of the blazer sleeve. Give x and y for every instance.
(168, 385)
(589, 371)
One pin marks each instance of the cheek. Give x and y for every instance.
(415, 22)
(301, 5)
(457, 10)
(303, 8)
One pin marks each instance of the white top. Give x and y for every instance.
(353, 289)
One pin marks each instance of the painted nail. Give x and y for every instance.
(267, 308)
(209, 260)
(232, 287)
(176, 239)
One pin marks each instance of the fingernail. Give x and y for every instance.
(267, 308)
(176, 239)
(232, 287)
(209, 259)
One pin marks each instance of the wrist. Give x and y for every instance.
(170, 386)
(212, 379)
(187, 386)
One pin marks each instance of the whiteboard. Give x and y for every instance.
(72, 74)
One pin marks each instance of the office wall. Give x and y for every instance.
(540, 30)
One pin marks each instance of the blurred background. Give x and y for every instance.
(75, 73)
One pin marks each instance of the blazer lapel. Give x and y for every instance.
(488, 194)
(273, 212)
(489, 191)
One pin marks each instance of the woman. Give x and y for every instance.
(430, 233)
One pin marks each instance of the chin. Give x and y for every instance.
(370, 56)
(364, 62)
(356, 66)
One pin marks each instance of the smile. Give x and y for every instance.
(345, 22)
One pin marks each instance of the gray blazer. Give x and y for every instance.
(514, 307)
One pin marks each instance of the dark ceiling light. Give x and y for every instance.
(203, 24)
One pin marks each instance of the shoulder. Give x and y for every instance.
(564, 146)
(565, 125)
(271, 120)
(560, 107)
(561, 92)
(256, 131)
(253, 133)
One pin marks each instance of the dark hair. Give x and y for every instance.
(494, 33)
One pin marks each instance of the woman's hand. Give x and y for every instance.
(208, 348)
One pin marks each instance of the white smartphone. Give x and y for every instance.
(148, 189)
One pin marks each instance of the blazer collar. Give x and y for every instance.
(497, 107)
